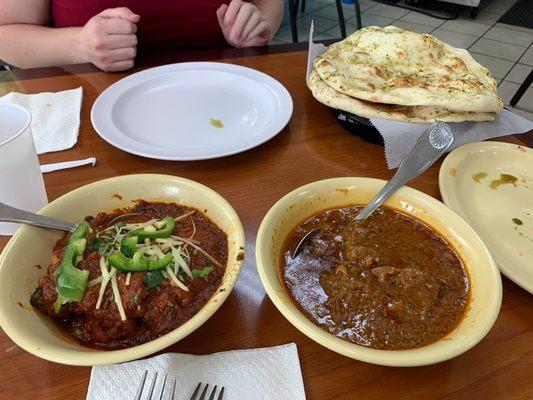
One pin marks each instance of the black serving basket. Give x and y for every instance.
(357, 126)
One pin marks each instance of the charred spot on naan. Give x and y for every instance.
(380, 72)
(409, 81)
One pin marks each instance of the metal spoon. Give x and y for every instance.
(432, 144)
(16, 215)
(12, 214)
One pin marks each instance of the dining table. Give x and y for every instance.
(313, 146)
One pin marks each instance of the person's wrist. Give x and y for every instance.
(79, 49)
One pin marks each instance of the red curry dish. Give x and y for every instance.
(133, 275)
(388, 282)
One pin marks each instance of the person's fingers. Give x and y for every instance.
(120, 12)
(259, 36)
(119, 66)
(119, 55)
(118, 26)
(253, 21)
(221, 12)
(232, 12)
(261, 29)
(244, 15)
(120, 41)
(257, 41)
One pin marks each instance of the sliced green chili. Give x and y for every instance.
(137, 262)
(128, 245)
(71, 281)
(166, 231)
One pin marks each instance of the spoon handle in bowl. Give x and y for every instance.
(12, 214)
(430, 146)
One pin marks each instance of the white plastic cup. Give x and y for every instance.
(21, 180)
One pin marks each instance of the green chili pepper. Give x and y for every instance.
(164, 232)
(128, 245)
(71, 281)
(137, 263)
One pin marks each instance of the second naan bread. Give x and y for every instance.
(328, 96)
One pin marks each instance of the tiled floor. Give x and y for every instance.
(506, 50)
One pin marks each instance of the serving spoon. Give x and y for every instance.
(16, 215)
(432, 144)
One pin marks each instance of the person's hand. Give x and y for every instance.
(108, 39)
(243, 25)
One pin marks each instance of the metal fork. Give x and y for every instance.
(204, 393)
(151, 387)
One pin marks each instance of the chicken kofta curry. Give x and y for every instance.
(388, 282)
(130, 276)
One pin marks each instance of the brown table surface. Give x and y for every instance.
(312, 147)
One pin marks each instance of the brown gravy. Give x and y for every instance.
(389, 282)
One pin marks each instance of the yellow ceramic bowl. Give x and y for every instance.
(486, 290)
(30, 246)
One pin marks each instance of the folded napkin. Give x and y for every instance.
(269, 373)
(55, 117)
(400, 137)
(67, 164)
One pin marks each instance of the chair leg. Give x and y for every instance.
(303, 6)
(292, 15)
(342, 23)
(522, 89)
(358, 14)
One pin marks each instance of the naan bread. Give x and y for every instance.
(395, 66)
(331, 98)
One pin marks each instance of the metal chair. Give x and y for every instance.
(4, 66)
(522, 89)
(293, 13)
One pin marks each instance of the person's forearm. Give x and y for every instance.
(272, 10)
(26, 46)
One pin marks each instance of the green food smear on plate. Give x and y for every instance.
(479, 176)
(216, 123)
(504, 178)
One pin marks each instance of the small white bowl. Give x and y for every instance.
(30, 246)
(485, 281)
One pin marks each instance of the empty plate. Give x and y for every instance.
(490, 184)
(192, 111)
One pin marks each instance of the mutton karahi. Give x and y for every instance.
(130, 276)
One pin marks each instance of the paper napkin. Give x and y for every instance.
(400, 137)
(55, 117)
(258, 374)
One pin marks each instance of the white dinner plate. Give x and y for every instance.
(192, 111)
(502, 214)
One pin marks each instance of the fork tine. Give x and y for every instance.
(213, 392)
(162, 388)
(196, 391)
(173, 390)
(202, 397)
(151, 391)
(141, 386)
(221, 395)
